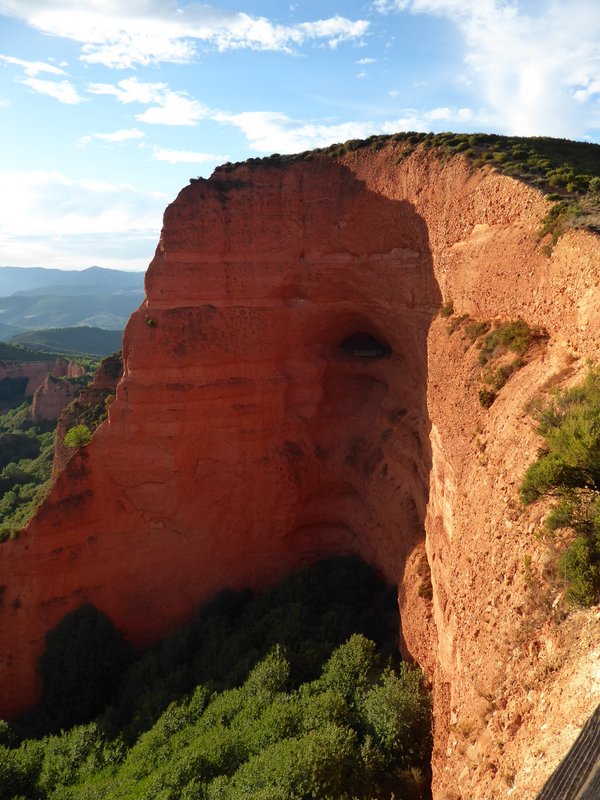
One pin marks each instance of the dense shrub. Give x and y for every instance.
(515, 336)
(569, 470)
(77, 436)
(560, 217)
(358, 728)
(26, 454)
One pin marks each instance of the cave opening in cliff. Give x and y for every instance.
(364, 345)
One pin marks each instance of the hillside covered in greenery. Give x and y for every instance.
(26, 454)
(71, 341)
(18, 352)
(27, 445)
(291, 694)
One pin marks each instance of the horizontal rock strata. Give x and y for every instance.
(290, 392)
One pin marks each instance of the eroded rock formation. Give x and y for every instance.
(52, 397)
(289, 392)
(89, 409)
(35, 372)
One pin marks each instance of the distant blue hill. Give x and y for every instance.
(35, 298)
(94, 280)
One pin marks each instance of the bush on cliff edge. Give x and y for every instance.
(568, 469)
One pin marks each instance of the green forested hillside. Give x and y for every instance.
(26, 454)
(109, 311)
(71, 341)
(15, 352)
(292, 694)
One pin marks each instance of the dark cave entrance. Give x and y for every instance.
(364, 345)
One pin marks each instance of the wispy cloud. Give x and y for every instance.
(53, 207)
(174, 108)
(187, 156)
(535, 66)
(335, 30)
(112, 138)
(63, 91)
(270, 131)
(131, 90)
(366, 60)
(167, 107)
(32, 68)
(152, 31)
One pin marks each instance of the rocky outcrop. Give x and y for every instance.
(289, 391)
(52, 397)
(90, 408)
(36, 372)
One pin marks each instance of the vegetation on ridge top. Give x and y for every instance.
(567, 171)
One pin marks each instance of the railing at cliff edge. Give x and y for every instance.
(577, 777)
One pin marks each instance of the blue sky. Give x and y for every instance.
(108, 107)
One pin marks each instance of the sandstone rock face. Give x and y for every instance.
(37, 371)
(290, 392)
(52, 397)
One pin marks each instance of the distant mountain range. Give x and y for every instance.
(94, 280)
(35, 298)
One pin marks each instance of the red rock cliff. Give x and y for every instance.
(37, 371)
(252, 433)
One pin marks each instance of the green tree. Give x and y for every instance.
(78, 436)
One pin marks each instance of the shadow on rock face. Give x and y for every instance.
(272, 412)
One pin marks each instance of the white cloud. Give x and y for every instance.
(186, 156)
(64, 91)
(32, 68)
(434, 119)
(167, 107)
(121, 35)
(131, 90)
(50, 219)
(51, 203)
(174, 108)
(335, 29)
(590, 88)
(118, 136)
(270, 131)
(536, 66)
(366, 60)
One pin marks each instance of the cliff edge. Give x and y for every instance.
(290, 391)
